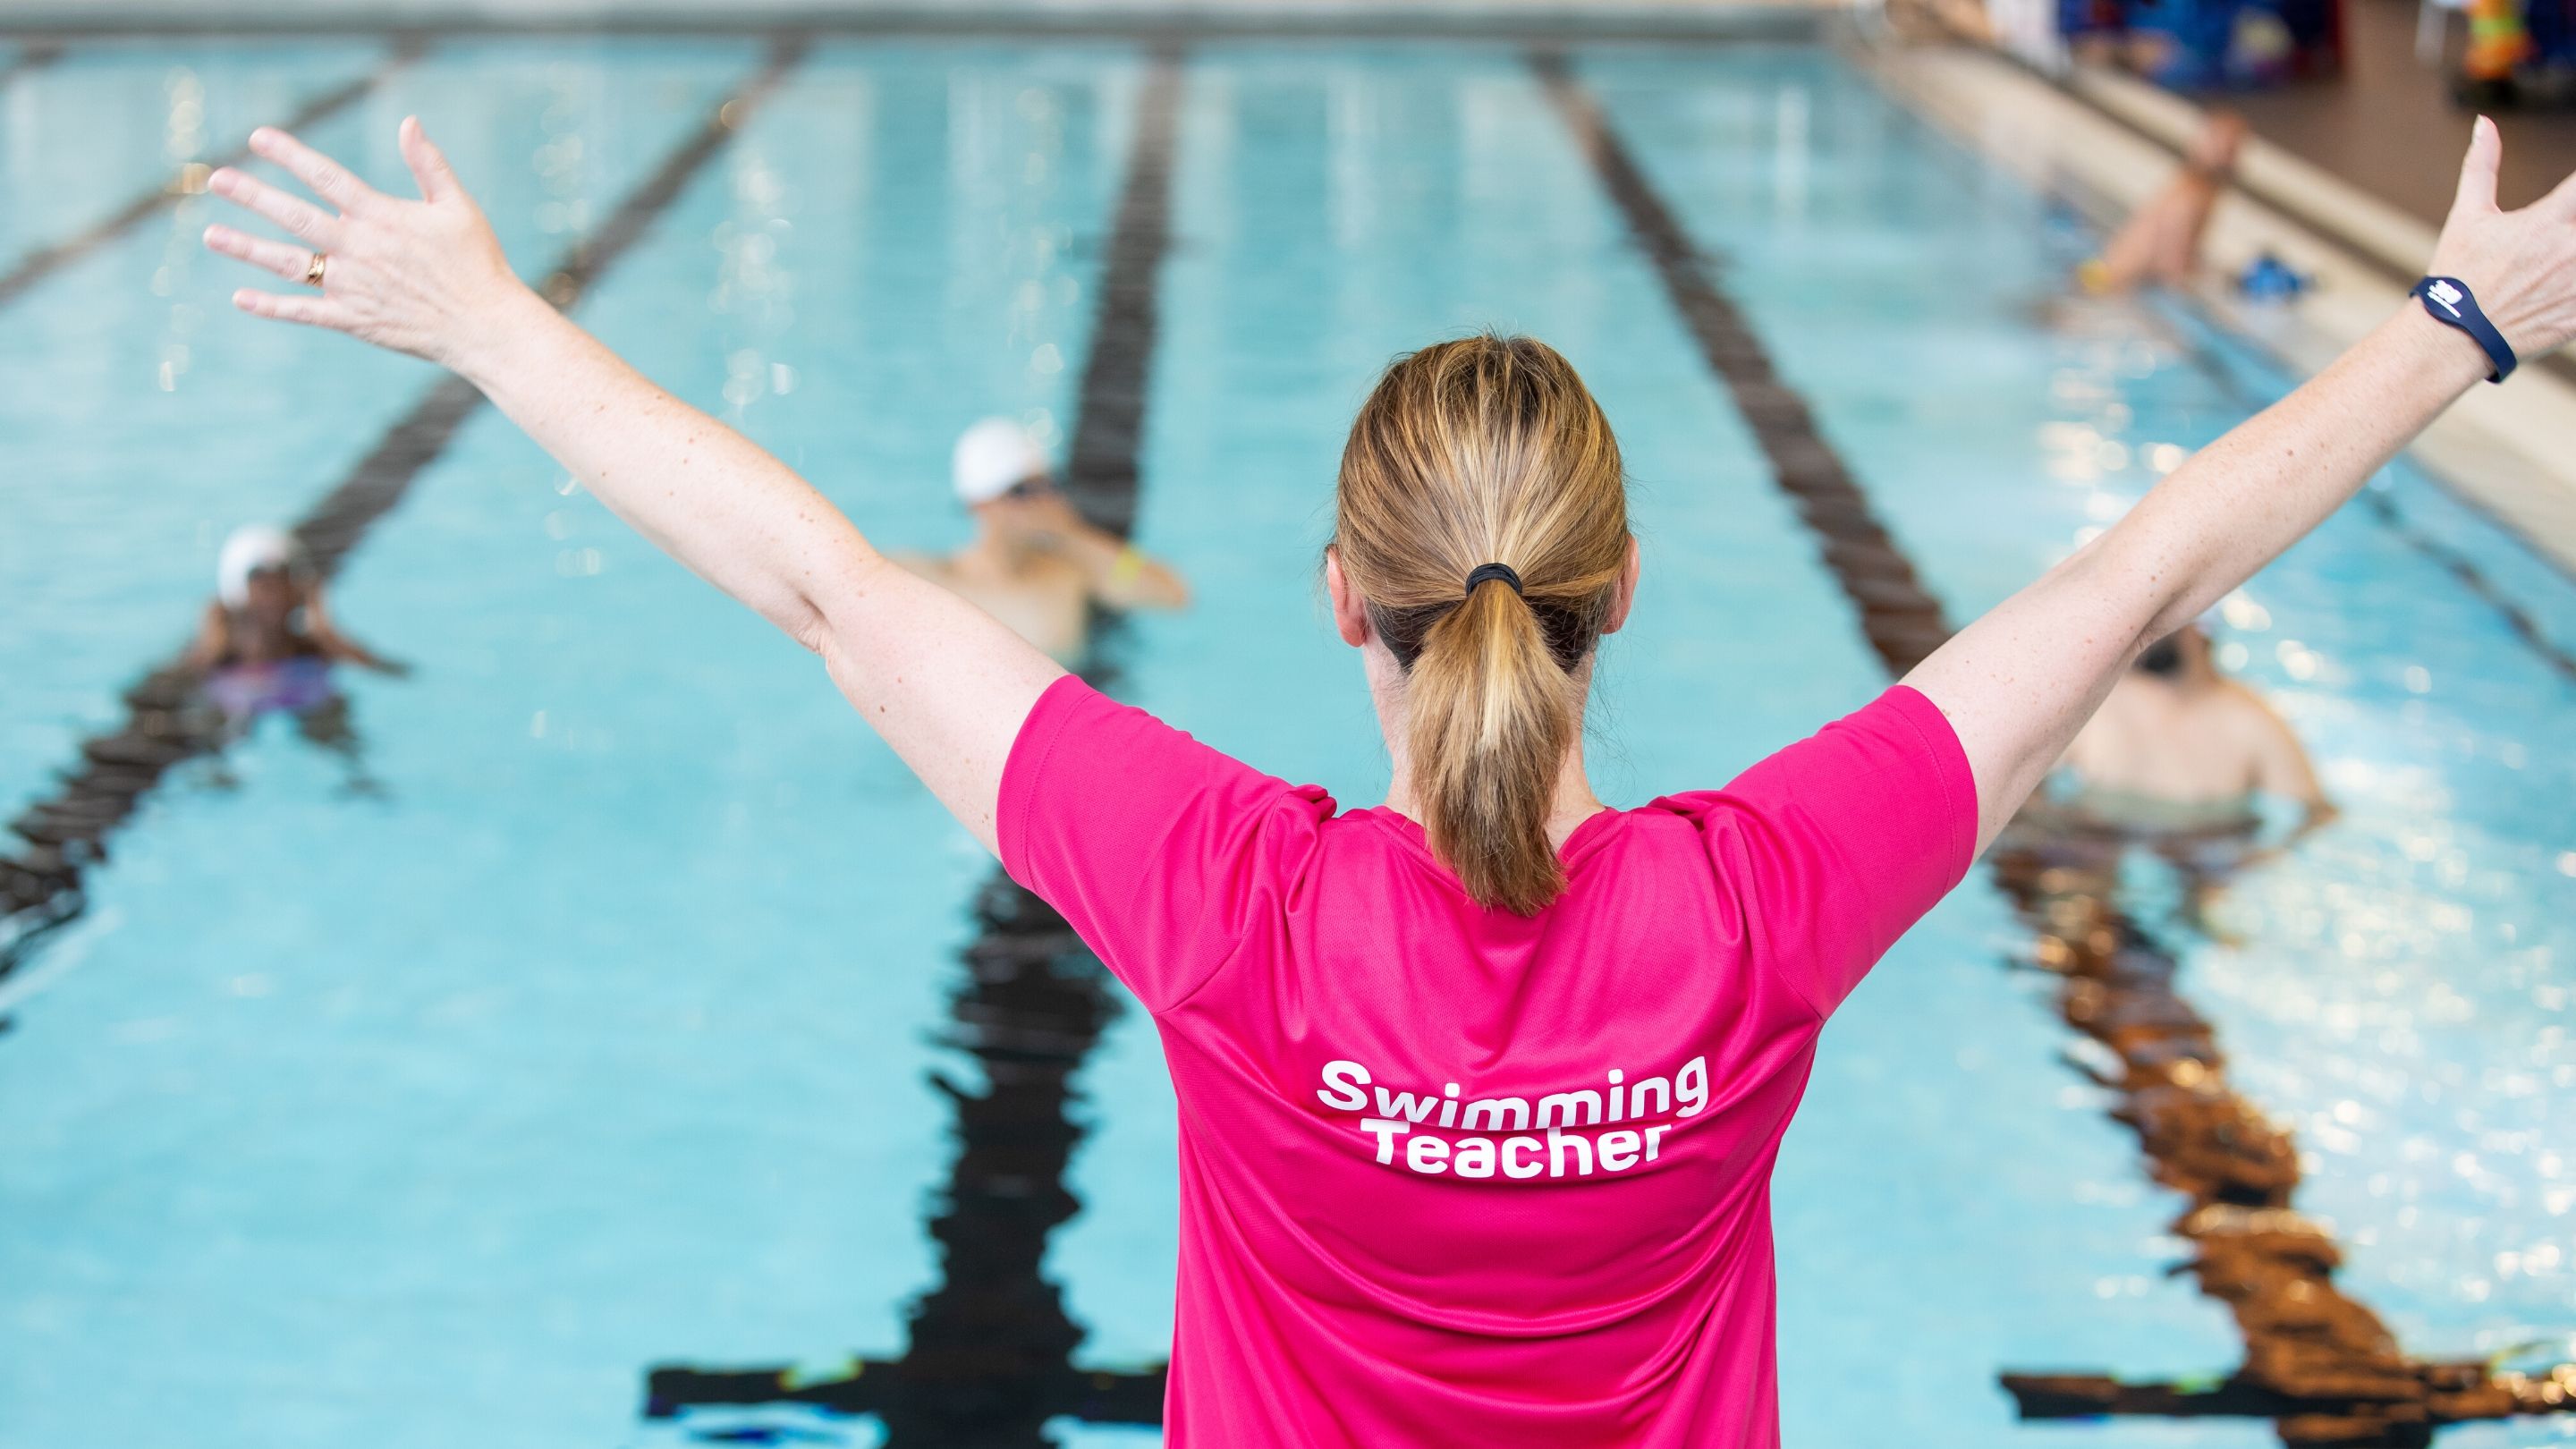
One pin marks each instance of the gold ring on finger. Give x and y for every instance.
(313, 269)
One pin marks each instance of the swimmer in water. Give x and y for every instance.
(2180, 747)
(2175, 761)
(1034, 563)
(2161, 240)
(268, 618)
(267, 645)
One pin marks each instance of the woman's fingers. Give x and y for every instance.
(290, 262)
(428, 164)
(329, 179)
(304, 307)
(307, 222)
(2478, 170)
(413, 277)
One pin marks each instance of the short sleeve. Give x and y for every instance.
(1840, 842)
(1160, 851)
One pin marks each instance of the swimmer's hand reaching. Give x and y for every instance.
(945, 684)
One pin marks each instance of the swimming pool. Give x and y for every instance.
(605, 1039)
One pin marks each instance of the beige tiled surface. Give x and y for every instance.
(2507, 448)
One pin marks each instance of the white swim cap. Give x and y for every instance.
(252, 547)
(992, 457)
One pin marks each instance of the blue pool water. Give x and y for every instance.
(603, 1039)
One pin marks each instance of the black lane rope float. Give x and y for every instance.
(2320, 1365)
(36, 266)
(991, 1349)
(65, 834)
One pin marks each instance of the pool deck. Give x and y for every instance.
(2106, 141)
(2388, 127)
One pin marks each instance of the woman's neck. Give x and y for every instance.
(1573, 804)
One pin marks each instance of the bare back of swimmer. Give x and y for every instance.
(2178, 745)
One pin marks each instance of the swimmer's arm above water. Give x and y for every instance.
(2019, 682)
(945, 684)
(214, 635)
(339, 647)
(2282, 767)
(1124, 576)
(1118, 574)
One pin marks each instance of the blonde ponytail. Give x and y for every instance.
(1487, 450)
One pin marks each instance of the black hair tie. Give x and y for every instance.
(1504, 572)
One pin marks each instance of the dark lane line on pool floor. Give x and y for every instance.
(991, 1355)
(2317, 1363)
(2465, 571)
(33, 268)
(166, 723)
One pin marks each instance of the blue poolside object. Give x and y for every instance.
(2267, 278)
(604, 1039)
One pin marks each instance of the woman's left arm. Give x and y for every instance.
(946, 685)
(2020, 681)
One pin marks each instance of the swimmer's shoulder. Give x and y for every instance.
(2245, 712)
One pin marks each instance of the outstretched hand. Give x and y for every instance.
(423, 277)
(2521, 265)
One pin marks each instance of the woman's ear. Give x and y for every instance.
(1350, 611)
(1627, 590)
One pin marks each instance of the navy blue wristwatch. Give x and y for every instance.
(2448, 299)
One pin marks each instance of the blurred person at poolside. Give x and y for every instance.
(1034, 563)
(2160, 242)
(267, 644)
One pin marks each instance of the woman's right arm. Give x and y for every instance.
(946, 685)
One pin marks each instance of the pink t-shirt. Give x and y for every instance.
(1453, 1176)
